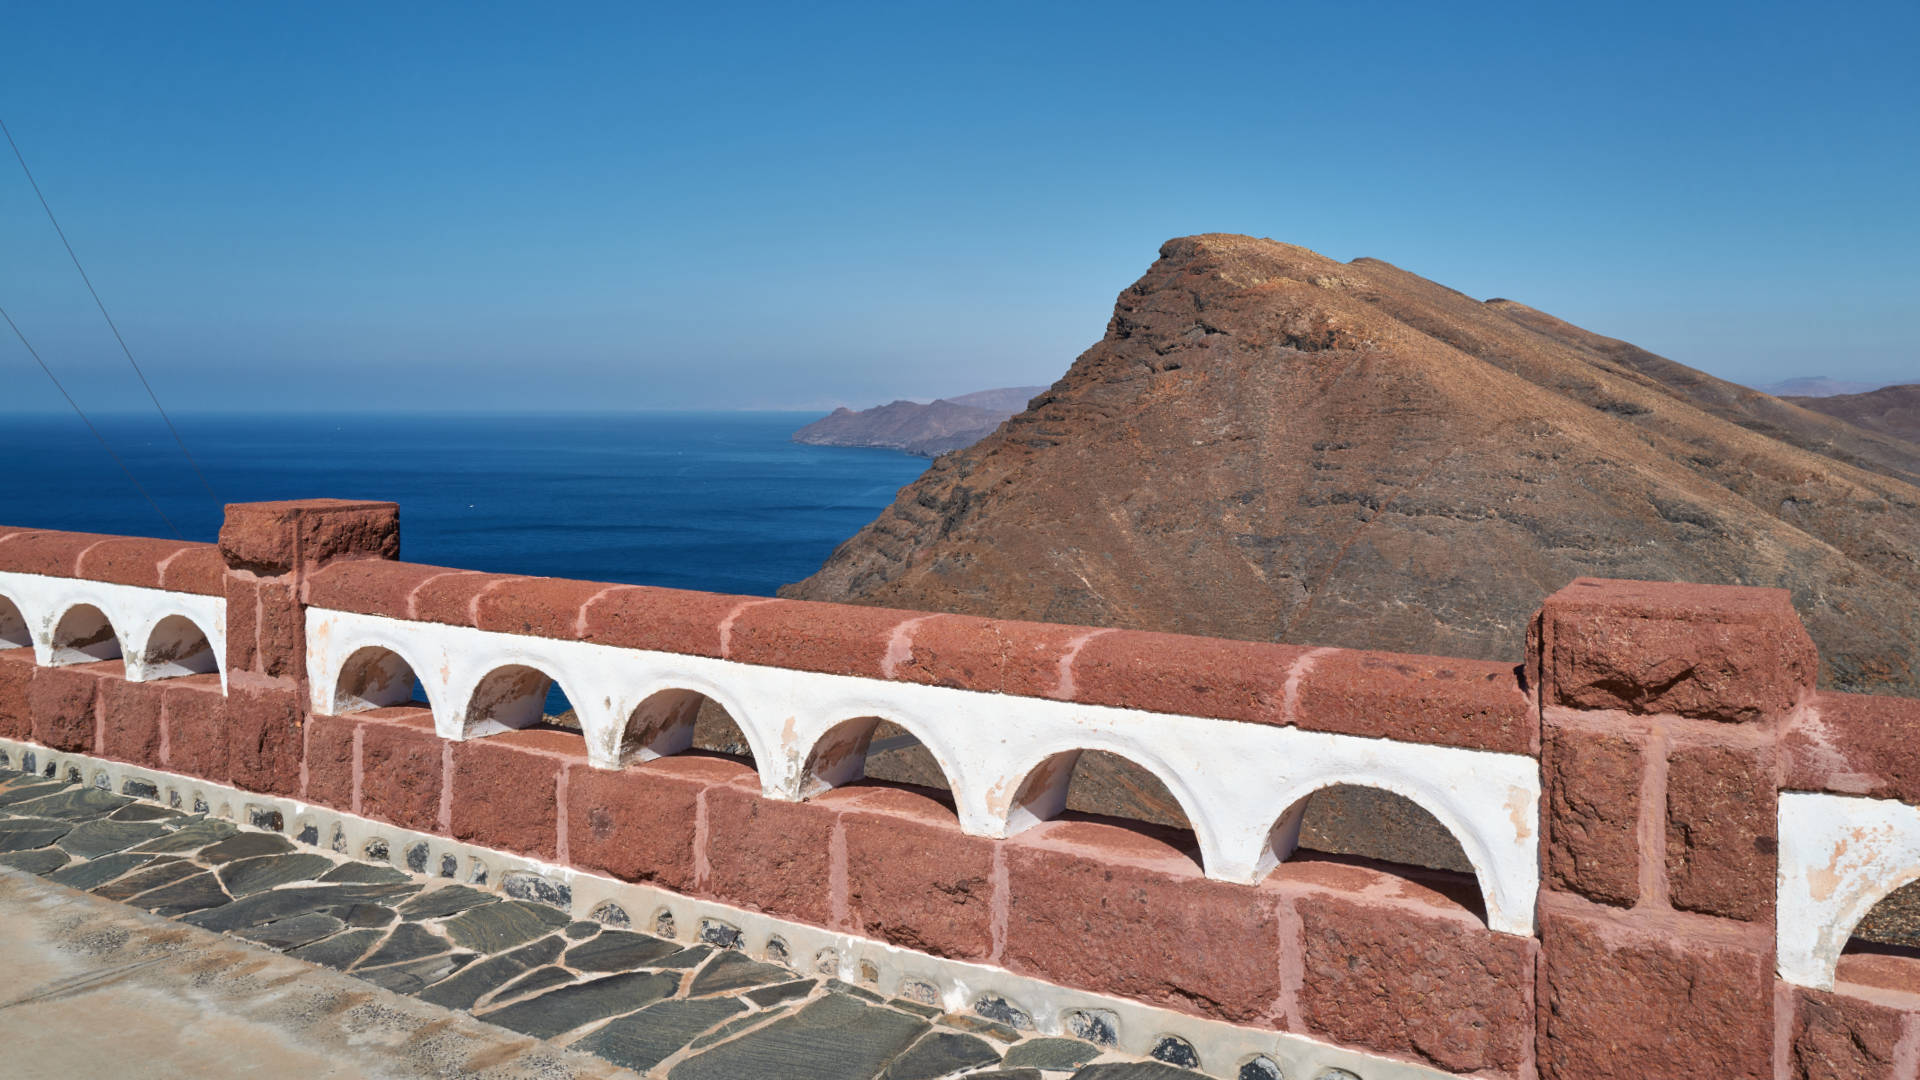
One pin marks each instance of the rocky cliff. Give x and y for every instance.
(1890, 410)
(1268, 444)
(928, 430)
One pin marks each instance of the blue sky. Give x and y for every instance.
(349, 207)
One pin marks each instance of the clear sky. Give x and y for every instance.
(543, 206)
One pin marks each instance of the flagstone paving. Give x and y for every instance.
(663, 1008)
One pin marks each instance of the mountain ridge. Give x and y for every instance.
(929, 430)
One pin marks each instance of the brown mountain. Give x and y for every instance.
(929, 430)
(1890, 410)
(1269, 444)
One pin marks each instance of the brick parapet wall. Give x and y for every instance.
(1654, 946)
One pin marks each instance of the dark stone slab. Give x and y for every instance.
(97, 838)
(160, 873)
(980, 1025)
(522, 885)
(1132, 1070)
(28, 792)
(450, 900)
(941, 1053)
(191, 837)
(368, 873)
(497, 927)
(76, 804)
(831, 1038)
(619, 950)
(367, 914)
(262, 908)
(657, 1032)
(580, 931)
(533, 982)
(559, 1011)
(690, 957)
(42, 862)
(1175, 1050)
(734, 971)
(27, 834)
(97, 872)
(411, 978)
(196, 893)
(734, 1027)
(1012, 1074)
(408, 942)
(244, 876)
(1002, 1011)
(839, 986)
(461, 991)
(917, 1008)
(294, 932)
(144, 812)
(338, 952)
(1052, 1054)
(780, 992)
(246, 845)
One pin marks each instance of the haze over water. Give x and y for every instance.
(716, 501)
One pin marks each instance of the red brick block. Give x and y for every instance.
(1387, 978)
(271, 538)
(1593, 814)
(997, 656)
(1470, 703)
(1703, 651)
(1854, 744)
(281, 631)
(130, 721)
(370, 586)
(1193, 676)
(913, 878)
(400, 766)
(1837, 1037)
(540, 607)
(1722, 821)
(1103, 908)
(839, 639)
(1620, 1006)
(194, 715)
(506, 789)
(197, 568)
(243, 623)
(264, 738)
(16, 674)
(448, 598)
(127, 560)
(641, 822)
(769, 855)
(62, 700)
(664, 620)
(330, 761)
(46, 551)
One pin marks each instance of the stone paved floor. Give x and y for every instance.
(658, 1007)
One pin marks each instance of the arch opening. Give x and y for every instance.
(677, 721)
(1105, 788)
(83, 636)
(517, 697)
(1884, 948)
(1379, 829)
(176, 647)
(876, 752)
(13, 626)
(376, 678)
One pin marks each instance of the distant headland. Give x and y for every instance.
(929, 430)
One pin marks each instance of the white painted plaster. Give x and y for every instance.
(135, 613)
(1235, 780)
(1839, 856)
(1222, 1047)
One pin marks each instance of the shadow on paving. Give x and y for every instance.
(682, 1011)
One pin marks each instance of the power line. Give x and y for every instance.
(83, 419)
(21, 158)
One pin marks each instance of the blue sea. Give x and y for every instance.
(717, 501)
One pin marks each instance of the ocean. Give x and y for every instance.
(716, 501)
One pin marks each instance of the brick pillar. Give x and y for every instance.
(270, 548)
(1660, 706)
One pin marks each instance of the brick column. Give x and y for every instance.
(269, 549)
(1660, 708)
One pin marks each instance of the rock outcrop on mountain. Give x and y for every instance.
(1271, 445)
(1890, 410)
(929, 430)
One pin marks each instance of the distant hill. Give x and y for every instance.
(1890, 410)
(927, 430)
(1818, 386)
(1272, 445)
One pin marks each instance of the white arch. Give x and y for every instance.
(173, 645)
(133, 611)
(14, 625)
(1839, 856)
(395, 690)
(853, 745)
(1044, 804)
(84, 633)
(520, 709)
(606, 752)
